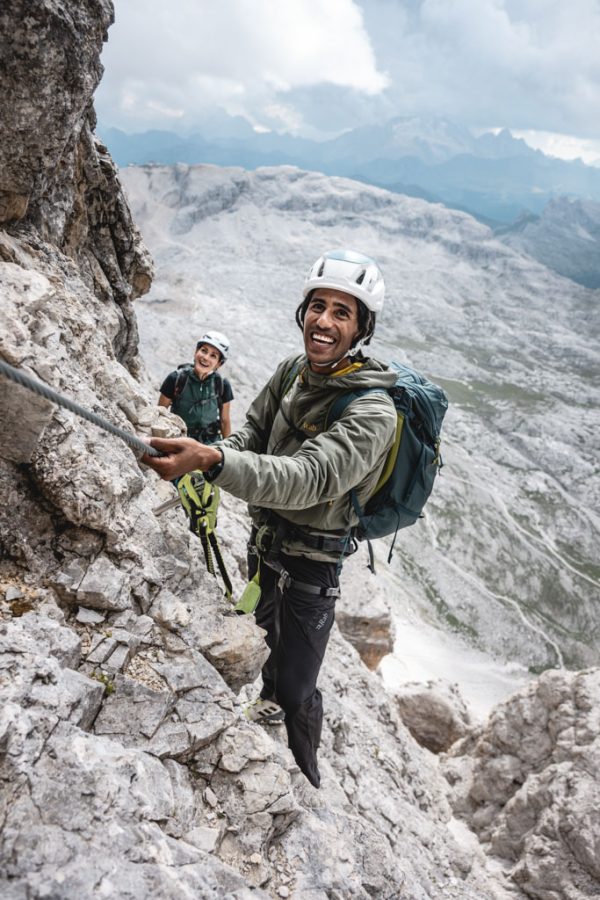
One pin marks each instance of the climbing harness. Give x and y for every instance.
(265, 544)
(20, 377)
(200, 500)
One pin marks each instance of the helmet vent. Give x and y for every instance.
(350, 272)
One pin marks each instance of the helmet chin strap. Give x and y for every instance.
(351, 352)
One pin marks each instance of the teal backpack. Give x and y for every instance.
(413, 461)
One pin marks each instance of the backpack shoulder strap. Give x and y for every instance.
(287, 383)
(183, 372)
(289, 378)
(219, 388)
(343, 400)
(333, 414)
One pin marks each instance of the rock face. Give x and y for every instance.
(369, 630)
(364, 619)
(565, 237)
(127, 768)
(54, 174)
(50, 68)
(529, 785)
(434, 713)
(68, 794)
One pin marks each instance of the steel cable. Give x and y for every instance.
(26, 381)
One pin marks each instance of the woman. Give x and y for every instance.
(198, 394)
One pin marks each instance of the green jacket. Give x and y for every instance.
(285, 459)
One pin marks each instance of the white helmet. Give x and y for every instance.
(345, 270)
(216, 339)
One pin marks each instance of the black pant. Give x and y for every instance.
(298, 626)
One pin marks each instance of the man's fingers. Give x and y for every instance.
(167, 445)
(159, 464)
(180, 455)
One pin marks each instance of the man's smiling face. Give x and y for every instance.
(330, 328)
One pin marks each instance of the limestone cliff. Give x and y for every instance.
(127, 768)
(56, 179)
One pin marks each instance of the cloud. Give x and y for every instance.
(562, 145)
(242, 56)
(521, 63)
(321, 66)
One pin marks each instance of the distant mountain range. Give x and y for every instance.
(566, 238)
(495, 177)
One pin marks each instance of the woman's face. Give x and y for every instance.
(206, 360)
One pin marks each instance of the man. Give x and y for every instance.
(296, 470)
(198, 394)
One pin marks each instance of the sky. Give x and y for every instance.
(315, 68)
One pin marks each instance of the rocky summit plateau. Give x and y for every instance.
(127, 767)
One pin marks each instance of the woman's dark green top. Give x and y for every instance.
(199, 403)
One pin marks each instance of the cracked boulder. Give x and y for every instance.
(434, 713)
(365, 620)
(529, 784)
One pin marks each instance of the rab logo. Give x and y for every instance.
(321, 621)
(309, 427)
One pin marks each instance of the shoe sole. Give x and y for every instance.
(267, 718)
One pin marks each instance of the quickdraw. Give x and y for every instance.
(200, 500)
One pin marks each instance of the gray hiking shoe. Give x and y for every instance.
(266, 711)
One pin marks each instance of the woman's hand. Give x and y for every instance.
(181, 455)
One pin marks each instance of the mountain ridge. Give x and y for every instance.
(565, 236)
(493, 176)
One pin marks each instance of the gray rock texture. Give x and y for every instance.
(127, 768)
(434, 713)
(365, 621)
(529, 785)
(55, 175)
(50, 67)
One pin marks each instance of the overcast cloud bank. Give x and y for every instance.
(316, 68)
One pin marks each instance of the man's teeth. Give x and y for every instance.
(322, 338)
